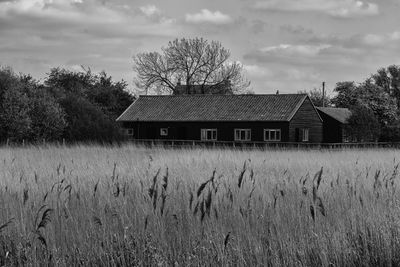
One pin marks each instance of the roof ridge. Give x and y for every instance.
(221, 95)
(331, 108)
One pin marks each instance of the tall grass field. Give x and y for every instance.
(135, 206)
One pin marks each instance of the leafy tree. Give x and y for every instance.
(14, 114)
(111, 97)
(8, 80)
(87, 122)
(363, 125)
(389, 79)
(317, 97)
(27, 111)
(347, 95)
(99, 89)
(391, 133)
(91, 102)
(369, 95)
(379, 101)
(61, 82)
(196, 62)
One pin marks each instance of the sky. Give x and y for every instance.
(285, 45)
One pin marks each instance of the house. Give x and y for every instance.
(249, 118)
(335, 124)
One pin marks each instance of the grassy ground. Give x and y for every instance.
(92, 205)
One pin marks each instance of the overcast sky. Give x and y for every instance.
(286, 45)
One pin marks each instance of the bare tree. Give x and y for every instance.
(204, 68)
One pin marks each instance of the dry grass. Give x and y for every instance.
(92, 205)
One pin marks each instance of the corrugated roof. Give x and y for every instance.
(214, 108)
(340, 114)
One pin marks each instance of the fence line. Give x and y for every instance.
(211, 144)
(259, 145)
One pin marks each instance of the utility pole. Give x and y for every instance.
(323, 94)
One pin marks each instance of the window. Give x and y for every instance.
(305, 132)
(164, 131)
(242, 134)
(129, 132)
(272, 134)
(209, 134)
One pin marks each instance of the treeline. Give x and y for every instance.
(375, 105)
(70, 105)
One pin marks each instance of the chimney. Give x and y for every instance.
(277, 92)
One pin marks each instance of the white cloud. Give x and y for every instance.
(294, 50)
(378, 39)
(257, 71)
(84, 16)
(22, 6)
(373, 39)
(336, 8)
(207, 16)
(395, 36)
(150, 10)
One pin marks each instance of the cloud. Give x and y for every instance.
(319, 58)
(362, 41)
(66, 32)
(373, 39)
(336, 8)
(96, 18)
(288, 50)
(258, 26)
(277, 73)
(305, 55)
(154, 14)
(395, 36)
(296, 29)
(207, 16)
(257, 71)
(150, 10)
(270, 76)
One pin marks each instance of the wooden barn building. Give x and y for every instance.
(241, 118)
(335, 124)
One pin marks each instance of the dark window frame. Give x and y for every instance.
(247, 134)
(276, 135)
(204, 134)
(164, 131)
(130, 132)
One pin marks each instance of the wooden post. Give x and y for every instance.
(23, 142)
(8, 141)
(63, 141)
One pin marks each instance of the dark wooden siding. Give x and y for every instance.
(306, 117)
(192, 130)
(333, 129)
